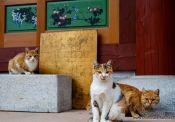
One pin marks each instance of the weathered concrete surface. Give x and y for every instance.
(35, 93)
(70, 116)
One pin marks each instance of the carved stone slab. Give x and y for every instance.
(70, 53)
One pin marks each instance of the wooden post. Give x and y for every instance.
(2, 23)
(41, 22)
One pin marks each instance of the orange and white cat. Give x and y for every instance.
(105, 95)
(25, 62)
(134, 101)
(137, 101)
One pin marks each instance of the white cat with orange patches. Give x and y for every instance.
(25, 62)
(105, 95)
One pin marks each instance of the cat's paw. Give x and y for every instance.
(115, 113)
(104, 120)
(136, 116)
(96, 120)
(28, 73)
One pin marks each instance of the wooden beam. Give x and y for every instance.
(22, 39)
(18, 2)
(2, 13)
(110, 35)
(41, 20)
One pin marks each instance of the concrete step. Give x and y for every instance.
(70, 116)
(119, 75)
(35, 93)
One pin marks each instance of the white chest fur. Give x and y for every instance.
(106, 97)
(31, 65)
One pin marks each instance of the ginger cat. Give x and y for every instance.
(136, 101)
(139, 101)
(25, 62)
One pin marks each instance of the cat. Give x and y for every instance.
(25, 62)
(104, 94)
(139, 101)
(136, 100)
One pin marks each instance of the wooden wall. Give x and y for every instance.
(155, 37)
(122, 54)
(108, 35)
(2, 11)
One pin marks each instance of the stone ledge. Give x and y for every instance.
(35, 93)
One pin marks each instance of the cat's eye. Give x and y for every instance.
(107, 72)
(153, 99)
(99, 72)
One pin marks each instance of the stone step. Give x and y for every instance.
(35, 93)
(119, 75)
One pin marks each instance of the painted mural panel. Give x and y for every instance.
(77, 14)
(21, 18)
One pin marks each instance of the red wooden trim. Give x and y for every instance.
(2, 13)
(22, 39)
(41, 19)
(127, 21)
(123, 55)
(18, 2)
(140, 59)
(155, 37)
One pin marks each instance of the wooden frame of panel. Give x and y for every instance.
(21, 39)
(108, 35)
(2, 11)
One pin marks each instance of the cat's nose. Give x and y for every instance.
(150, 101)
(33, 59)
(103, 77)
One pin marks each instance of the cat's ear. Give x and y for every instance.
(26, 50)
(37, 50)
(157, 91)
(109, 63)
(143, 90)
(95, 64)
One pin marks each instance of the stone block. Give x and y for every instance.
(35, 93)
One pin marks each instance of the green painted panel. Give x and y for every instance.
(21, 18)
(77, 14)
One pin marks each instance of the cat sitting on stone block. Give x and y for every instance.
(24, 63)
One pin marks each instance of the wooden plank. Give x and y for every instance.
(163, 42)
(18, 2)
(155, 37)
(127, 21)
(25, 39)
(123, 56)
(173, 39)
(147, 38)
(2, 13)
(110, 35)
(140, 26)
